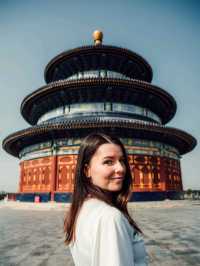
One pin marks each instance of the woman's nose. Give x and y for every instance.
(120, 167)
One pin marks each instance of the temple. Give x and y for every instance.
(98, 88)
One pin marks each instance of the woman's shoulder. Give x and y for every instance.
(94, 203)
(104, 211)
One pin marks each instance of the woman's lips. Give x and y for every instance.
(118, 178)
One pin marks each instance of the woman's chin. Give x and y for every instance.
(115, 187)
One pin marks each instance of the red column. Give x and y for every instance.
(163, 176)
(21, 177)
(180, 173)
(53, 176)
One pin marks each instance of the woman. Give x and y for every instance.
(98, 227)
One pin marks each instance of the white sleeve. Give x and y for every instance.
(112, 244)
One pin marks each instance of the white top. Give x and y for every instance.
(104, 237)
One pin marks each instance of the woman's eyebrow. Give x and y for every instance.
(108, 157)
(111, 157)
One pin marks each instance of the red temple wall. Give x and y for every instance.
(37, 175)
(56, 173)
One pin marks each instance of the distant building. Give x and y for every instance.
(98, 88)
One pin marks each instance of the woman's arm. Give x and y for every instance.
(113, 243)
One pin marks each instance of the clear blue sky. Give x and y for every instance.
(166, 33)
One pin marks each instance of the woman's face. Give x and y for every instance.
(106, 167)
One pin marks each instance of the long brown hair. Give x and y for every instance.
(83, 187)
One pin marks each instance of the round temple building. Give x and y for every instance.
(98, 88)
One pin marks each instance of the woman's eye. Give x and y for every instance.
(109, 162)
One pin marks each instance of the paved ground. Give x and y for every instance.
(32, 235)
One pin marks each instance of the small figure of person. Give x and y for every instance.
(98, 227)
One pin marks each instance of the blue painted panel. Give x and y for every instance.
(30, 197)
(44, 197)
(156, 196)
(62, 197)
(136, 196)
(174, 195)
(147, 196)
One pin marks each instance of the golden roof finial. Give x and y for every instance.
(98, 37)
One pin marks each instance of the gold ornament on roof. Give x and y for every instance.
(98, 37)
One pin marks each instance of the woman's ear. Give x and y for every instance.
(87, 170)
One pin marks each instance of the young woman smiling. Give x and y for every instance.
(98, 227)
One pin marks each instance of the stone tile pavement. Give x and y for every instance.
(32, 234)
